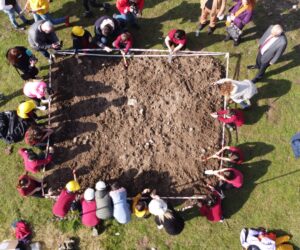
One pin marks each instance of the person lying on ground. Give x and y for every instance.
(23, 59)
(140, 204)
(42, 37)
(130, 10)
(232, 154)
(106, 30)
(40, 11)
(231, 117)
(94, 4)
(259, 238)
(239, 15)
(123, 42)
(88, 204)
(27, 110)
(165, 216)
(271, 46)
(121, 211)
(103, 202)
(238, 91)
(176, 40)
(211, 207)
(37, 136)
(229, 178)
(37, 90)
(67, 196)
(34, 162)
(10, 7)
(30, 186)
(82, 38)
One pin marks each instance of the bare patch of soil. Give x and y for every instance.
(145, 126)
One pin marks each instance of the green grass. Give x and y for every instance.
(270, 197)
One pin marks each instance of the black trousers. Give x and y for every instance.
(93, 3)
(261, 66)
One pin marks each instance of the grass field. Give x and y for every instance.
(271, 194)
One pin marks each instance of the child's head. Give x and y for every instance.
(179, 34)
(229, 175)
(125, 36)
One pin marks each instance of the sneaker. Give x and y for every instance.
(211, 30)
(67, 23)
(88, 14)
(106, 7)
(252, 67)
(95, 232)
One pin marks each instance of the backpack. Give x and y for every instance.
(12, 127)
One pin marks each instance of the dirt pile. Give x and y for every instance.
(145, 126)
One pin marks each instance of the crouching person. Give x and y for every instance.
(88, 204)
(165, 216)
(103, 202)
(121, 207)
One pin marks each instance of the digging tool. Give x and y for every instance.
(125, 61)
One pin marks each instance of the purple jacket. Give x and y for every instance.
(243, 18)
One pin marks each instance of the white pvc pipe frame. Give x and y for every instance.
(166, 53)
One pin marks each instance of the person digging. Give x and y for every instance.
(228, 177)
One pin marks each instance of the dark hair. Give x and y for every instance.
(115, 186)
(229, 175)
(141, 206)
(179, 34)
(107, 30)
(13, 55)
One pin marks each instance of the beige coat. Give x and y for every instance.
(218, 7)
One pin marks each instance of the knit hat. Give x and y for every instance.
(157, 207)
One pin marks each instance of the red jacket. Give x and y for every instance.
(214, 213)
(126, 45)
(237, 119)
(63, 203)
(123, 5)
(89, 217)
(33, 166)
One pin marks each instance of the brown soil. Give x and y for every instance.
(155, 142)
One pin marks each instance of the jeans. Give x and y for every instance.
(48, 17)
(129, 17)
(12, 17)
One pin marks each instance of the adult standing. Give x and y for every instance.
(130, 10)
(103, 202)
(106, 30)
(213, 8)
(271, 46)
(165, 216)
(41, 37)
(10, 7)
(23, 59)
(239, 15)
(40, 11)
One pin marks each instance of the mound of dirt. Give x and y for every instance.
(146, 126)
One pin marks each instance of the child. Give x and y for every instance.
(232, 118)
(67, 196)
(123, 42)
(36, 90)
(34, 162)
(89, 208)
(176, 40)
(140, 204)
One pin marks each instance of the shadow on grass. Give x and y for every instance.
(236, 198)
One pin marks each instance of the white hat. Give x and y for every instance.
(100, 185)
(157, 207)
(89, 194)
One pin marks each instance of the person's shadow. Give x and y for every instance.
(236, 198)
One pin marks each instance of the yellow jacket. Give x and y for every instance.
(218, 7)
(36, 4)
